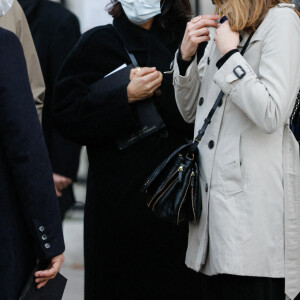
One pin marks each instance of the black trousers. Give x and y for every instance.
(230, 287)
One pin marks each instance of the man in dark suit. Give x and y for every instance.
(55, 31)
(30, 225)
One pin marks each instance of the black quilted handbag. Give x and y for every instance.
(173, 189)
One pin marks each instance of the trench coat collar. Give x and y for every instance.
(245, 35)
(136, 38)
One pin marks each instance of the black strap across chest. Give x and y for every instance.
(207, 121)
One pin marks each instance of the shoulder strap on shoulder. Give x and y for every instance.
(131, 56)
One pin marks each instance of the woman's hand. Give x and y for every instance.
(196, 32)
(60, 183)
(226, 39)
(143, 84)
(42, 277)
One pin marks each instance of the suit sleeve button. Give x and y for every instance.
(201, 101)
(41, 228)
(44, 237)
(211, 144)
(47, 246)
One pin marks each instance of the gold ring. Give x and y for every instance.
(196, 19)
(138, 69)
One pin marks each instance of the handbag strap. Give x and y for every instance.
(131, 56)
(207, 121)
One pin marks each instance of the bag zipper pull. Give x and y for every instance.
(180, 171)
(193, 179)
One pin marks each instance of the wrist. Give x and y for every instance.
(227, 50)
(183, 56)
(129, 95)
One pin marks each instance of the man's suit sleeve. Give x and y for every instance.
(25, 151)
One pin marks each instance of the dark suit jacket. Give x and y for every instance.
(30, 225)
(55, 31)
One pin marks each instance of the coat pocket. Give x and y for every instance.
(232, 169)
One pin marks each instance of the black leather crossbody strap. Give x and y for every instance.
(207, 121)
(131, 56)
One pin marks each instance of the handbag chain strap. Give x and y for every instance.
(296, 108)
(207, 121)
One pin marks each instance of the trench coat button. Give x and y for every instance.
(208, 60)
(221, 103)
(211, 144)
(206, 188)
(44, 237)
(41, 228)
(47, 245)
(201, 101)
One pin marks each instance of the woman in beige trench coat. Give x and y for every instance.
(250, 171)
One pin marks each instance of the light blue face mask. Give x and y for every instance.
(141, 11)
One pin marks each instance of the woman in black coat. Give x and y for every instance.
(30, 225)
(129, 254)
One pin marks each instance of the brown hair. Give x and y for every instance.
(173, 12)
(247, 14)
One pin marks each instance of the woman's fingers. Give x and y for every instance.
(43, 283)
(211, 17)
(155, 84)
(151, 77)
(200, 39)
(43, 276)
(47, 273)
(58, 192)
(194, 30)
(144, 71)
(204, 23)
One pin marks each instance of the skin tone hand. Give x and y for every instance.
(42, 277)
(195, 34)
(226, 39)
(60, 183)
(143, 84)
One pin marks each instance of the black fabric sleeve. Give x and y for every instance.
(223, 60)
(64, 154)
(183, 64)
(89, 107)
(25, 151)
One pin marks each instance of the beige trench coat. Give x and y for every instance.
(15, 21)
(250, 177)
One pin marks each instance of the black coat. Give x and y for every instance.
(55, 31)
(30, 225)
(129, 254)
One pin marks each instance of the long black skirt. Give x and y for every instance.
(230, 287)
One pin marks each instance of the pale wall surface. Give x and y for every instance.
(91, 13)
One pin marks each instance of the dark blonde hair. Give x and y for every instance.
(247, 15)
